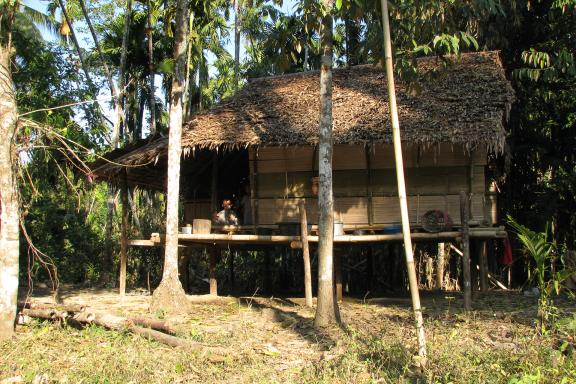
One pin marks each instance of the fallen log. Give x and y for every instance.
(158, 325)
(118, 323)
(48, 314)
(57, 307)
(170, 340)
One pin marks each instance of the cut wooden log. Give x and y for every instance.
(56, 307)
(48, 314)
(158, 325)
(170, 340)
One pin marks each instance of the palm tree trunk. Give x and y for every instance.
(123, 57)
(113, 90)
(152, 97)
(76, 44)
(170, 295)
(236, 44)
(9, 217)
(327, 311)
(114, 141)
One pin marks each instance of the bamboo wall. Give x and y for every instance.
(365, 188)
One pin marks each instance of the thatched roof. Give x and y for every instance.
(466, 103)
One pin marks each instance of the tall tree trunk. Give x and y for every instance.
(123, 58)
(76, 44)
(236, 44)
(189, 80)
(152, 97)
(114, 141)
(327, 311)
(9, 218)
(170, 295)
(113, 90)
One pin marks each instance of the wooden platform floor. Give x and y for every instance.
(157, 239)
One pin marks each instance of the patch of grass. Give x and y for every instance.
(376, 346)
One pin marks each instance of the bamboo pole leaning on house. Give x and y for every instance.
(440, 266)
(306, 254)
(401, 183)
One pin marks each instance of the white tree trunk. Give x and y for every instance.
(170, 294)
(236, 44)
(327, 310)
(151, 96)
(9, 218)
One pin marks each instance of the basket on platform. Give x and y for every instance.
(436, 221)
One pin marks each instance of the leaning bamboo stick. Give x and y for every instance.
(401, 184)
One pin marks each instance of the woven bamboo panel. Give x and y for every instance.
(428, 181)
(351, 210)
(299, 184)
(271, 166)
(443, 155)
(272, 211)
(271, 185)
(353, 182)
(196, 210)
(349, 157)
(285, 159)
(382, 156)
(299, 159)
(450, 155)
(387, 209)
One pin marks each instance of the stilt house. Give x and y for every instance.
(452, 123)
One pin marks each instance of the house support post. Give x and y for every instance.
(123, 234)
(483, 263)
(213, 281)
(306, 254)
(464, 215)
(338, 273)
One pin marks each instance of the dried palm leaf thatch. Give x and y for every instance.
(465, 103)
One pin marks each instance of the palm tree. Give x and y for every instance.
(170, 295)
(327, 311)
(14, 15)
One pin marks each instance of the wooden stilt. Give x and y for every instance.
(231, 272)
(465, 251)
(338, 274)
(213, 281)
(483, 263)
(440, 266)
(267, 271)
(123, 235)
(474, 273)
(184, 269)
(306, 255)
(369, 269)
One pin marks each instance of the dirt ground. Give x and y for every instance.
(268, 339)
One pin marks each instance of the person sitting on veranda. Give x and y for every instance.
(226, 216)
